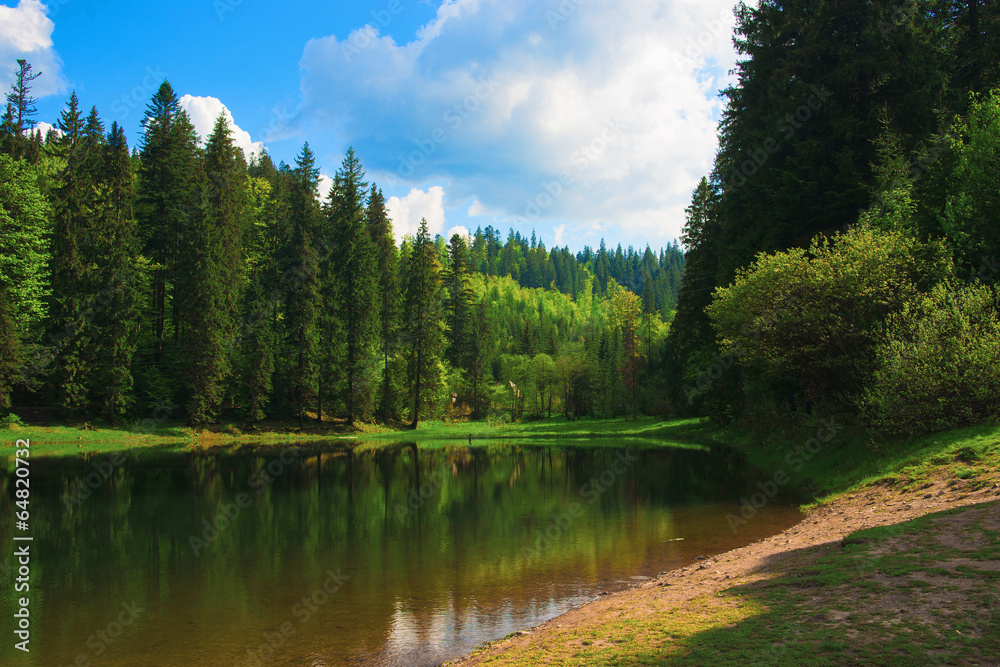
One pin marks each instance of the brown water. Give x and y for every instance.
(399, 557)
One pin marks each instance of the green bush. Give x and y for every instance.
(940, 368)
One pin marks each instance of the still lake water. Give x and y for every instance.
(327, 557)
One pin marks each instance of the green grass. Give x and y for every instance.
(851, 459)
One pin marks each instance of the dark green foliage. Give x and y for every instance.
(352, 270)
(387, 292)
(213, 260)
(10, 353)
(458, 304)
(168, 205)
(422, 322)
(299, 261)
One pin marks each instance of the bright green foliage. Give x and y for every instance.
(353, 273)
(387, 292)
(940, 369)
(256, 329)
(24, 245)
(423, 325)
(811, 321)
(624, 320)
(972, 203)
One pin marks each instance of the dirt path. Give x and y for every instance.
(818, 534)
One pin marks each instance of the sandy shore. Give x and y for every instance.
(821, 531)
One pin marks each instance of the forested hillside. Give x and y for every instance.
(179, 281)
(842, 255)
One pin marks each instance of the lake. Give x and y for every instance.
(329, 555)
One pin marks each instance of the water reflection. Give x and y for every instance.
(331, 556)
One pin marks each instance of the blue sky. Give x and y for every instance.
(579, 119)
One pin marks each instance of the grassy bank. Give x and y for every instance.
(850, 459)
(168, 436)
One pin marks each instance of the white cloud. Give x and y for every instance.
(204, 111)
(323, 188)
(44, 128)
(406, 213)
(558, 237)
(498, 98)
(461, 230)
(26, 32)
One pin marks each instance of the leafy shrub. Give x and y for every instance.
(940, 368)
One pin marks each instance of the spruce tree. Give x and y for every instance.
(213, 258)
(168, 200)
(458, 306)
(300, 279)
(422, 321)
(117, 301)
(387, 291)
(353, 266)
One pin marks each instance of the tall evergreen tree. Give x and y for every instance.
(458, 305)
(387, 292)
(422, 320)
(168, 202)
(213, 257)
(19, 98)
(353, 263)
(117, 301)
(299, 263)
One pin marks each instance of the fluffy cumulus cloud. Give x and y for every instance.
(204, 111)
(407, 211)
(590, 114)
(26, 32)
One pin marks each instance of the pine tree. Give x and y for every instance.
(168, 202)
(299, 264)
(74, 278)
(387, 292)
(458, 306)
(214, 260)
(422, 320)
(353, 264)
(20, 97)
(117, 301)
